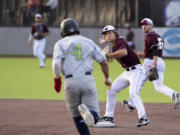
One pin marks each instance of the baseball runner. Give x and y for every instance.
(130, 77)
(154, 66)
(39, 31)
(73, 57)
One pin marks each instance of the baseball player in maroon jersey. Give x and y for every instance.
(130, 77)
(39, 31)
(154, 45)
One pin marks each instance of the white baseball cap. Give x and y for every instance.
(146, 21)
(38, 15)
(108, 28)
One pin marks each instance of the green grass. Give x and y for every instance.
(21, 78)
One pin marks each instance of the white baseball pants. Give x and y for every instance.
(38, 50)
(158, 84)
(133, 80)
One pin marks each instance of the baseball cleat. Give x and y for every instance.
(142, 122)
(175, 99)
(129, 108)
(105, 122)
(105, 118)
(87, 116)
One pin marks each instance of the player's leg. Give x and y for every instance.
(73, 100)
(130, 104)
(134, 89)
(36, 48)
(41, 52)
(160, 87)
(89, 99)
(81, 126)
(120, 83)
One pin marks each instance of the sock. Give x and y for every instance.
(81, 126)
(95, 115)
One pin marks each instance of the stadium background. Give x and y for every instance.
(28, 103)
(16, 18)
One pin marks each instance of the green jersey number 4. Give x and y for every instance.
(77, 51)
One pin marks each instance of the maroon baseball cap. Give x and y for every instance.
(146, 21)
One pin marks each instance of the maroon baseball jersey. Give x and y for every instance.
(42, 28)
(153, 39)
(131, 59)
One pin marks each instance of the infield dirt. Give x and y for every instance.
(50, 117)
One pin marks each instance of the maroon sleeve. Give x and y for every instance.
(45, 28)
(32, 29)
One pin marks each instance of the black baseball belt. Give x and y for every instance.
(71, 76)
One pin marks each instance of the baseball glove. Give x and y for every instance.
(153, 74)
(38, 35)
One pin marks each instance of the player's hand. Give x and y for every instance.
(106, 50)
(140, 54)
(57, 84)
(109, 59)
(108, 83)
(102, 41)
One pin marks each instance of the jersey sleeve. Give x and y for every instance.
(98, 54)
(45, 28)
(58, 52)
(32, 29)
(57, 59)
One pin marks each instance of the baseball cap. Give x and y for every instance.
(108, 28)
(146, 21)
(38, 15)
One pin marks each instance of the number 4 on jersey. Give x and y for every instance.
(77, 51)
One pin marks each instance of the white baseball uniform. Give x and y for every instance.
(131, 77)
(153, 39)
(39, 43)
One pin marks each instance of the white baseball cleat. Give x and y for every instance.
(175, 99)
(105, 124)
(87, 116)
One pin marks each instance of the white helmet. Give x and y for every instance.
(108, 28)
(146, 21)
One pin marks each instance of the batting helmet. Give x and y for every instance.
(68, 27)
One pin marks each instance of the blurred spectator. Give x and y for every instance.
(49, 10)
(33, 6)
(52, 4)
(49, 6)
(172, 13)
(130, 37)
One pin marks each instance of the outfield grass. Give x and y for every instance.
(21, 78)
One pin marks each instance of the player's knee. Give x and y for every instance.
(111, 92)
(81, 126)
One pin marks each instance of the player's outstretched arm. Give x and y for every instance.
(117, 54)
(105, 70)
